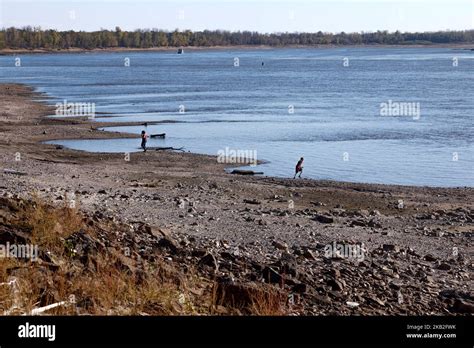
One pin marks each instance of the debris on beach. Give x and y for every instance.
(245, 172)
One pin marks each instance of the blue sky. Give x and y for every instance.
(258, 15)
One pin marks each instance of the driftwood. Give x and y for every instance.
(169, 148)
(13, 171)
(161, 135)
(252, 201)
(53, 161)
(36, 311)
(245, 172)
(165, 148)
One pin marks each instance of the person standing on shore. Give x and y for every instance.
(144, 139)
(299, 168)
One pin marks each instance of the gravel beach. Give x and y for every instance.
(414, 244)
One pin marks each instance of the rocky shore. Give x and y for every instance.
(300, 247)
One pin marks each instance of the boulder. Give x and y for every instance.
(323, 219)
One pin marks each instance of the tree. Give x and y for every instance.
(31, 38)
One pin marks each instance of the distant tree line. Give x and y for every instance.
(34, 38)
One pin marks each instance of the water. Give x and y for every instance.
(336, 124)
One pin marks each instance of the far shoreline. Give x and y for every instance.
(6, 52)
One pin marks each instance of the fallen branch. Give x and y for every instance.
(13, 171)
(52, 161)
(164, 148)
(245, 172)
(252, 201)
(40, 310)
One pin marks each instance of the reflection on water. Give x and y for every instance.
(302, 102)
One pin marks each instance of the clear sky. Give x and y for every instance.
(255, 15)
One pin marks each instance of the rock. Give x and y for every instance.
(158, 232)
(252, 201)
(444, 267)
(209, 260)
(449, 293)
(102, 192)
(228, 256)
(374, 223)
(338, 212)
(391, 247)
(289, 268)
(335, 273)
(323, 219)
(352, 304)
(12, 238)
(309, 254)
(325, 300)
(337, 285)
(270, 275)
(396, 284)
(429, 258)
(280, 245)
(198, 252)
(463, 306)
(318, 204)
(124, 263)
(375, 300)
(168, 243)
(360, 223)
(429, 279)
(299, 288)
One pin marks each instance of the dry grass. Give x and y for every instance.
(147, 288)
(253, 299)
(6, 293)
(109, 282)
(49, 225)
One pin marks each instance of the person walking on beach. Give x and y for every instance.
(299, 168)
(144, 139)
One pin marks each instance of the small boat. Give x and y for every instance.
(180, 51)
(161, 135)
